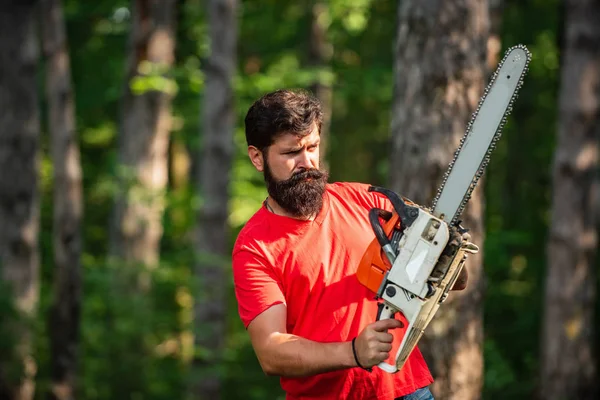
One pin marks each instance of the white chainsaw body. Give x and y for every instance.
(409, 286)
(421, 247)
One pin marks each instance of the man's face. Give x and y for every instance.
(290, 154)
(292, 175)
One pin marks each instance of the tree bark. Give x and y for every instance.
(19, 196)
(65, 311)
(144, 137)
(494, 42)
(214, 177)
(568, 365)
(319, 57)
(440, 69)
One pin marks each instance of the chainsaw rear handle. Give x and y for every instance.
(386, 312)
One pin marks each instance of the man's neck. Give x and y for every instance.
(275, 208)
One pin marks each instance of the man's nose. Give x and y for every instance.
(305, 160)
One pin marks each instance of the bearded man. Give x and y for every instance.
(309, 319)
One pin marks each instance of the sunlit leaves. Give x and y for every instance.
(152, 77)
(354, 14)
(286, 72)
(99, 136)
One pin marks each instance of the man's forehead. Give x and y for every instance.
(293, 139)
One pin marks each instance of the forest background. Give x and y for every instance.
(124, 181)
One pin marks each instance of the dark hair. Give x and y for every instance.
(282, 111)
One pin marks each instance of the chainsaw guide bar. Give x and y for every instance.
(483, 131)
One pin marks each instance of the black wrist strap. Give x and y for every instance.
(356, 357)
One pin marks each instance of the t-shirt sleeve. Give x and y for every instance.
(368, 199)
(380, 201)
(256, 285)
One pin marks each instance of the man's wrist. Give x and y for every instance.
(348, 355)
(355, 354)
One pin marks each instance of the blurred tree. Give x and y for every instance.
(63, 324)
(144, 137)
(320, 53)
(568, 364)
(141, 184)
(439, 70)
(19, 205)
(212, 234)
(494, 43)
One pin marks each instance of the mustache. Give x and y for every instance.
(311, 173)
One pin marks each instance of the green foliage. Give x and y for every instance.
(132, 341)
(152, 77)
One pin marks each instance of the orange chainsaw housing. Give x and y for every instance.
(374, 263)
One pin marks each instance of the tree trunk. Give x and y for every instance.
(144, 137)
(19, 197)
(494, 42)
(568, 365)
(215, 165)
(319, 56)
(68, 206)
(440, 70)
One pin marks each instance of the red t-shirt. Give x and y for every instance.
(311, 267)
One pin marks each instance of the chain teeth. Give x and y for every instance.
(495, 139)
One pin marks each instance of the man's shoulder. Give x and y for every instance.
(348, 188)
(356, 193)
(352, 192)
(252, 230)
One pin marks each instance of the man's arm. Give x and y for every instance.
(283, 354)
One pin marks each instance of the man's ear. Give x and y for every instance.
(256, 157)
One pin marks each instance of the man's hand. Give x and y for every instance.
(461, 280)
(463, 277)
(374, 343)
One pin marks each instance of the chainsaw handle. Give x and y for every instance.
(408, 214)
(386, 312)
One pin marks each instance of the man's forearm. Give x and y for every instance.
(293, 356)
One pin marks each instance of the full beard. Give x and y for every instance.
(302, 194)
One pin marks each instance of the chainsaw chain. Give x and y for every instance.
(497, 135)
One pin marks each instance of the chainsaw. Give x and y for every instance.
(418, 252)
